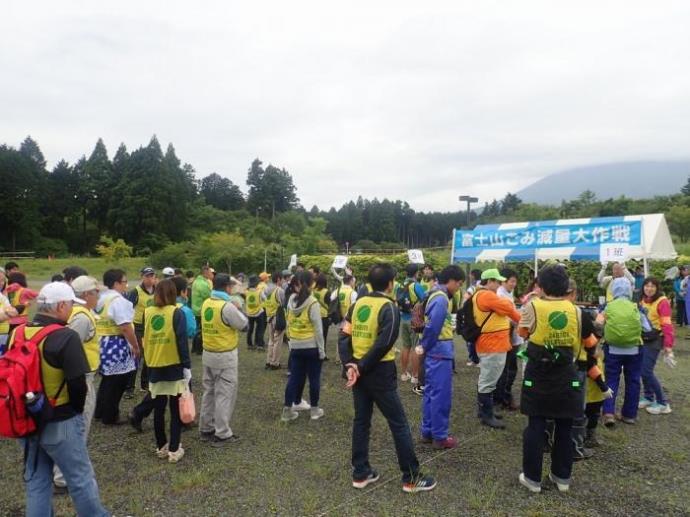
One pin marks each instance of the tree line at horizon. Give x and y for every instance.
(150, 200)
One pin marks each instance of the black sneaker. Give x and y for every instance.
(420, 484)
(224, 442)
(363, 483)
(60, 490)
(129, 394)
(135, 423)
(418, 389)
(207, 436)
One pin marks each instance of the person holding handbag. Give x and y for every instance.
(167, 356)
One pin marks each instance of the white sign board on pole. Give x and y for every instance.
(613, 253)
(293, 261)
(340, 262)
(415, 256)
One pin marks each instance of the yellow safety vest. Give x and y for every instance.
(426, 285)
(365, 325)
(92, 347)
(253, 301)
(106, 326)
(320, 296)
(160, 342)
(215, 334)
(53, 378)
(447, 331)
(494, 323)
(653, 312)
(144, 299)
(4, 325)
(300, 326)
(271, 304)
(557, 324)
(345, 298)
(14, 298)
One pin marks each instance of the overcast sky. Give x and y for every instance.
(419, 101)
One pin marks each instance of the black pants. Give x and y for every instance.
(421, 378)
(144, 379)
(257, 329)
(159, 421)
(533, 447)
(681, 316)
(593, 411)
(196, 342)
(503, 394)
(380, 387)
(146, 406)
(326, 324)
(108, 397)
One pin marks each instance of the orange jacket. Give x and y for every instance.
(495, 342)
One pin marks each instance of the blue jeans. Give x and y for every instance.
(438, 395)
(651, 385)
(304, 363)
(63, 444)
(631, 365)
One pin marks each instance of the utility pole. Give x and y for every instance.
(469, 200)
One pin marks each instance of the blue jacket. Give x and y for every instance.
(419, 293)
(436, 314)
(188, 316)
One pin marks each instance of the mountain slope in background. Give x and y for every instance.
(631, 179)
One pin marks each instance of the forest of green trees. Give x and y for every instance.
(148, 201)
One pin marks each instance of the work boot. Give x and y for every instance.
(486, 411)
(591, 440)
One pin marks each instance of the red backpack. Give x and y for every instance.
(20, 373)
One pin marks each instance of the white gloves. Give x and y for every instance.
(670, 360)
(419, 350)
(608, 394)
(187, 374)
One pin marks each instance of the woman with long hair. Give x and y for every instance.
(305, 333)
(658, 310)
(167, 356)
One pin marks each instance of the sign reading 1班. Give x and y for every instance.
(613, 253)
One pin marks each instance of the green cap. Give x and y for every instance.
(493, 274)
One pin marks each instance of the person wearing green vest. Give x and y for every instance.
(366, 349)
(254, 309)
(167, 355)
(201, 290)
(411, 293)
(436, 345)
(83, 321)
(221, 323)
(307, 349)
(275, 300)
(323, 296)
(141, 297)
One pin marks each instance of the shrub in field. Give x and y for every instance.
(113, 250)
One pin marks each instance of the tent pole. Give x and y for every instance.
(536, 265)
(646, 267)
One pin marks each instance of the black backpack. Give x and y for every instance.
(465, 325)
(334, 308)
(404, 299)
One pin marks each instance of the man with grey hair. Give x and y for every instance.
(62, 440)
(617, 271)
(83, 321)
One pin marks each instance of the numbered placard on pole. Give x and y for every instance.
(613, 253)
(340, 262)
(415, 256)
(293, 261)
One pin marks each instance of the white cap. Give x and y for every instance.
(168, 271)
(56, 292)
(83, 284)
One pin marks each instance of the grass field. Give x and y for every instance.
(39, 271)
(302, 468)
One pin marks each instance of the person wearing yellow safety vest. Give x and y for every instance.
(167, 354)
(83, 321)
(275, 300)
(366, 345)
(6, 313)
(618, 270)
(201, 290)
(347, 296)
(141, 297)
(118, 345)
(221, 323)
(410, 293)
(307, 348)
(256, 314)
(436, 345)
(20, 297)
(492, 314)
(552, 387)
(62, 441)
(323, 296)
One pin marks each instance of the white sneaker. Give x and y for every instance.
(316, 413)
(404, 377)
(644, 402)
(288, 414)
(302, 406)
(659, 409)
(529, 484)
(414, 380)
(162, 453)
(562, 487)
(174, 457)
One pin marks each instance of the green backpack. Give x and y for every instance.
(623, 326)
